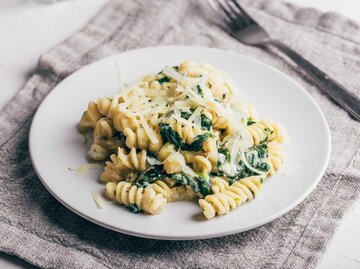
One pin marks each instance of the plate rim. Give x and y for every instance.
(206, 235)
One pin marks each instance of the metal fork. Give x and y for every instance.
(248, 31)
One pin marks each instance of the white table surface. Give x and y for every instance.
(26, 31)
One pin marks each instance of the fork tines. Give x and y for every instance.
(232, 12)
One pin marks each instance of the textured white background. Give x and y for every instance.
(31, 27)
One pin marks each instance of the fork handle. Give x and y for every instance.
(346, 99)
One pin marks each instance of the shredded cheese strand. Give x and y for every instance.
(148, 130)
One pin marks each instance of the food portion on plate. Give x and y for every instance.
(182, 134)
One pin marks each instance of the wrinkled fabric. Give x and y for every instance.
(38, 229)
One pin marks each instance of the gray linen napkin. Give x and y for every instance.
(37, 228)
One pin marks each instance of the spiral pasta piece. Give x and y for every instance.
(231, 197)
(124, 120)
(90, 117)
(221, 123)
(211, 151)
(140, 139)
(103, 107)
(104, 128)
(162, 188)
(101, 148)
(104, 141)
(125, 193)
(199, 161)
(166, 151)
(276, 157)
(263, 129)
(113, 172)
(201, 164)
(187, 132)
(218, 184)
(107, 106)
(174, 163)
(123, 163)
(133, 160)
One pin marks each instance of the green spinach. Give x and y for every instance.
(170, 135)
(199, 91)
(134, 208)
(122, 138)
(163, 80)
(185, 115)
(268, 131)
(206, 123)
(255, 157)
(198, 184)
(204, 185)
(226, 153)
(154, 173)
(197, 144)
(250, 121)
(183, 179)
(151, 154)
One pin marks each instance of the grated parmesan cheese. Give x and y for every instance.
(184, 104)
(183, 121)
(97, 199)
(195, 114)
(148, 130)
(170, 72)
(153, 161)
(83, 168)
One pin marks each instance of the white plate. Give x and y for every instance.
(55, 144)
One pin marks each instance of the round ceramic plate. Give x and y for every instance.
(56, 145)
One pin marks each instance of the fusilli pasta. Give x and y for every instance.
(130, 195)
(231, 197)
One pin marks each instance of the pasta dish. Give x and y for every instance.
(182, 134)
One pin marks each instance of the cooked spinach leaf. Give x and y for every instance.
(122, 138)
(250, 121)
(204, 185)
(185, 115)
(197, 144)
(170, 135)
(268, 131)
(199, 91)
(154, 173)
(206, 123)
(183, 179)
(198, 184)
(134, 208)
(257, 158)
(226, 153)
(151, 154)
(262, 149)
(163, 80)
